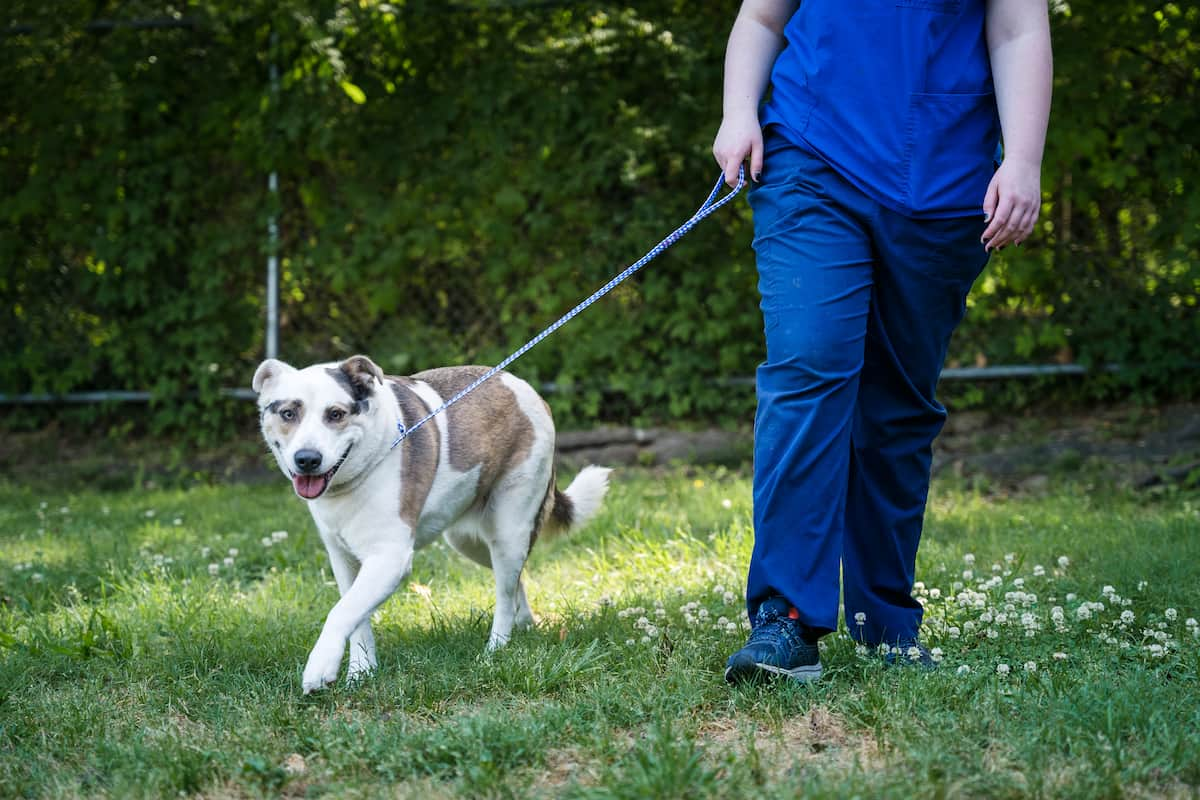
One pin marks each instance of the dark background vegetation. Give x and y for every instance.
(454, 176)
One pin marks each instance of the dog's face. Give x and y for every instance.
(320, 420)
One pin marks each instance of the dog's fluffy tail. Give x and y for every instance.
(581, 500)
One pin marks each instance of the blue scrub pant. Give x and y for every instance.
(859, 303)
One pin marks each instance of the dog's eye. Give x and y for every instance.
(335, 415)
(287, 414)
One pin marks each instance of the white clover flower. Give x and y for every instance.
(1191, 622)
(1002, 669)
(953, 632)
(1010, 558)
(1001, 618)
(630, 642)
(992, 633)
(726, 503)
(1171, 614)
(860, 650)
(1141, 586)
(266, 541)
(278, 536)
(722, 621)
(645, 640)
(1018, 582)
(228, 561)
(968, 626)
(213, 569)
(679, 591)
(37, 577)
(968, 574)
(1063, 562)
(1156, 650)
(1059, 656)
(986, 617)
(703, 613)
(150, 512)
(1038, 570)
(729, 598)
(969, 559)
(914, 653)
(204, 551)
(718, 589)
(935, 593)
(936, 654)
(1126, 617)
(1083, 612)
(1031, 666)
(963, 669)
(731, 627)
(177, 521)
(1070, 597)
(233, 551)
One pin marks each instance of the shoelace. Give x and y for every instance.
(772, 626)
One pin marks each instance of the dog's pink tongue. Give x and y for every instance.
(309, 486)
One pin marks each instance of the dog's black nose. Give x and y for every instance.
(308, 461)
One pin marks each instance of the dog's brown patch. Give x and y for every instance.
(488, 429)
(419, 459)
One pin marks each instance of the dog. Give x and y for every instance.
(480, 474)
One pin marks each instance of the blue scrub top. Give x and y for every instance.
(895, 95)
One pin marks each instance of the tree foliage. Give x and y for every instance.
(453, 177)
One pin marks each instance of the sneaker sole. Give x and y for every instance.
(804, 674)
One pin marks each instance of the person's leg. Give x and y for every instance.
(815, 266)
(925, 269)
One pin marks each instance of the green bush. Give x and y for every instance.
(453, 177)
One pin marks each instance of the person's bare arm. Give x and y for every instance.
(1018, 35)
(754, 44)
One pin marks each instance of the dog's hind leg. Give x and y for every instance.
(362, 640)
(511, 530)
(468, 543)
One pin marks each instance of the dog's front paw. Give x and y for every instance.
(322, 668)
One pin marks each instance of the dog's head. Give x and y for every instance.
(319, 420)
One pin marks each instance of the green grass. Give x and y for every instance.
(128, 669)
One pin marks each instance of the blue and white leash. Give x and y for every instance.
(707, 208)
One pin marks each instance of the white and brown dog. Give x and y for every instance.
(481, 474)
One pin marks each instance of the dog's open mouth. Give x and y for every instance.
(310, 487)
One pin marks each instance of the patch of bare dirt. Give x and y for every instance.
(819, 735)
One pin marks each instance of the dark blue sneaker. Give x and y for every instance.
(776, 647)
(909, 653)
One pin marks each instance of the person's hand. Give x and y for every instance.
(1012, 203)
(739, 138)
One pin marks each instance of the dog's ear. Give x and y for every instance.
(362, 373)
(268, 371)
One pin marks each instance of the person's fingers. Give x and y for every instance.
(1025, 229)
(990, 198)
(756, 159)
(993, 235)
(731, 171)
